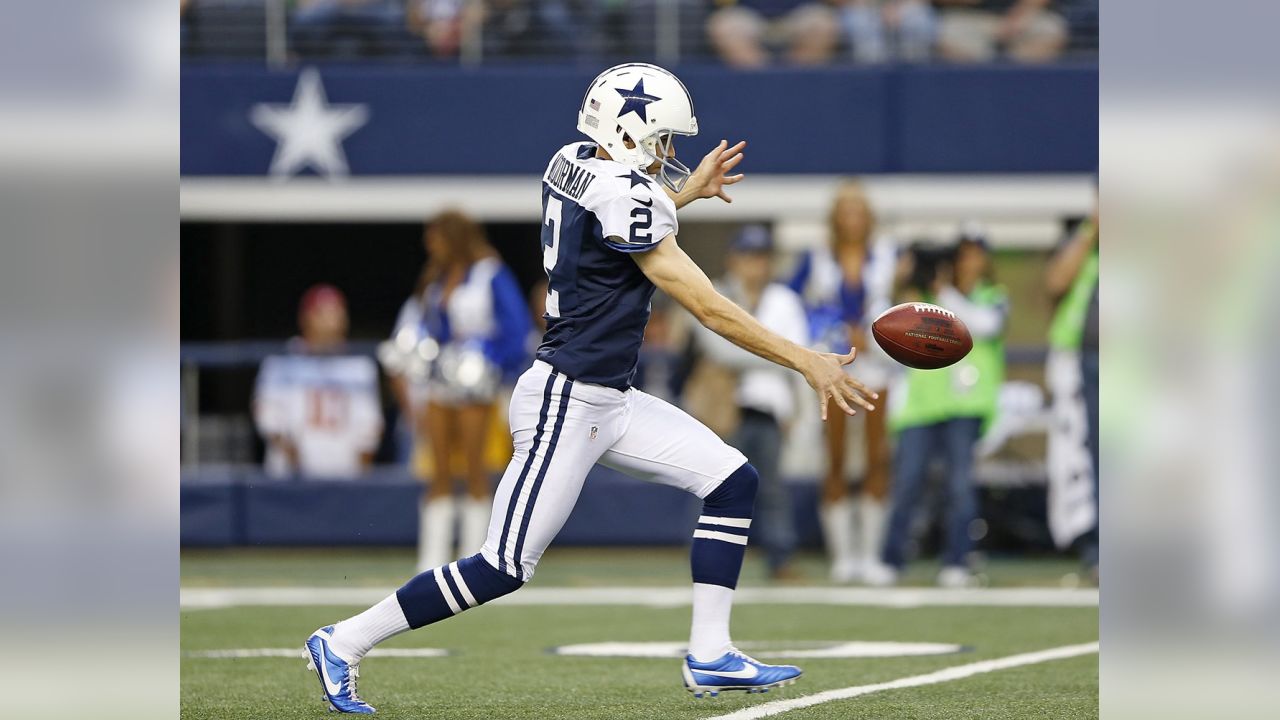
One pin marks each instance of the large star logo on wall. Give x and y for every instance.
(309, 131)
(635, 100)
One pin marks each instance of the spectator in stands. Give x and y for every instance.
(628, 30)
(1072, 284)
(764, 395)
(1082, 18)
(943, 413)
(225, 28)
(184, 22)
(471, 309)
(528, 29)
(845, 285)
(317, 408)
(883, 30)
(982, 30)
(443, 26)
(741, 31)
(347, 28)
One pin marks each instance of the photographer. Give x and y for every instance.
(943, 413)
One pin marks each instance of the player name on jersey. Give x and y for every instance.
(568, 178)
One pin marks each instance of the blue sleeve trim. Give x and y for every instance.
(629, 247)
(801, 276)
(853, 303)
(506, 348)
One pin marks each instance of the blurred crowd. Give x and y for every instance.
(468, 330)
(737, 33)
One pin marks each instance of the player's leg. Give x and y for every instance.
(662, 443)
(439, 509)
(474, 422)
(554, 450)
(911, 461)
(872, 512)
(758, 433)
(582, 421)
(1088, 543)
(837, 509)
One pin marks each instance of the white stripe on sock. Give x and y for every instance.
(522, 502)
(727, 522)
(444, 590)
(462, 585)
(716, 535)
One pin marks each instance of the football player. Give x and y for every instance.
(609, 239)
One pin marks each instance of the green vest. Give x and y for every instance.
(1067, 328)
(970, 388)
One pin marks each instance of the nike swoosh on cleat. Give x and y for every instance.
(332, 687)
(748, 671)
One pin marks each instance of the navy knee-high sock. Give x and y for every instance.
(448, 590)
(720, 541)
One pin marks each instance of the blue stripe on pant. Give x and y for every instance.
(542, 474)
(524, 472)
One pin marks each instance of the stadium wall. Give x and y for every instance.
(485, 121)
(239, 506)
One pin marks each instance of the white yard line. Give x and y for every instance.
(301, 654)
(958, 672)
(208, 598)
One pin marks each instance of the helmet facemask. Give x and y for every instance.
(657, 147)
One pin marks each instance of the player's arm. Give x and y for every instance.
(1066, 262)
(711, 176)
(668, 267)
(786, 317)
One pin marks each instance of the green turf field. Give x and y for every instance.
(500, 665)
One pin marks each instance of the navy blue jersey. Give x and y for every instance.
(595, 214)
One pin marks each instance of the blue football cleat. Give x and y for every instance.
(337, 678)
(735, 671)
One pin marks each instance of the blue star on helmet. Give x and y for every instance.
(636, 178)
(636, 100)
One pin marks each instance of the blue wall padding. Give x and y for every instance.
(425, 120)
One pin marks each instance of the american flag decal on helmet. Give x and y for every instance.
(595, 104)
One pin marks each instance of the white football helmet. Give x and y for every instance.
(647, 104)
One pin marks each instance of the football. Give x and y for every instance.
(922, 336)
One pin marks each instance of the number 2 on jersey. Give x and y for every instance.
(551, 251)
(643, 220)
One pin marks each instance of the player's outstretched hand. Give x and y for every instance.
(712, 174)
(825, 374)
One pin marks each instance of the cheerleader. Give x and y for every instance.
(845, 285)
(459, 337)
